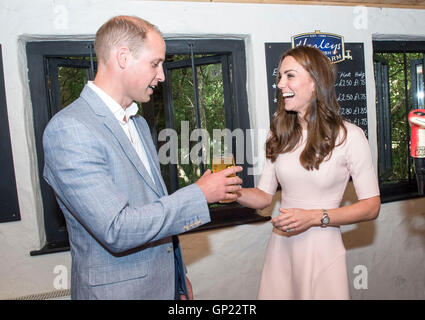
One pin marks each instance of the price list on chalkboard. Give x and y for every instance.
(350, 84)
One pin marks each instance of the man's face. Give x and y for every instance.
(144, 69)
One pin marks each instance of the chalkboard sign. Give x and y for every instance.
(9, 207)
(350, 84)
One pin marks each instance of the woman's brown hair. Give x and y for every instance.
(323, 118)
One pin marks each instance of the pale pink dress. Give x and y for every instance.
(312, 264)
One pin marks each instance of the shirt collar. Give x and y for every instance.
(131, 110)
(116, 109)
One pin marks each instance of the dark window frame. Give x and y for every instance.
(40, 89)
(9, 204)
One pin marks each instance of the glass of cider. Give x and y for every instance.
(223, 161)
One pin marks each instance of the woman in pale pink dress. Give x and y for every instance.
(311, 152)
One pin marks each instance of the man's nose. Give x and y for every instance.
(161, 75)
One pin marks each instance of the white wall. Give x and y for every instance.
(226, 263)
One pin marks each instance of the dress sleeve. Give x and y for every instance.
(268, 180)
(359, 161)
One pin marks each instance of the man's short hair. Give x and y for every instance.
(129, 31)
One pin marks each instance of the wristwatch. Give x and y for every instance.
(325, 219)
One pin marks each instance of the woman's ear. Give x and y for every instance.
(313, 87)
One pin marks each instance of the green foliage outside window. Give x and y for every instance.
(211, 110)
(400, 105)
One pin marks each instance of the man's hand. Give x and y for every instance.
(218, 186)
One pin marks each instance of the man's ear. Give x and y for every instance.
(122, 56)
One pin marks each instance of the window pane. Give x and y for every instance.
(71, 83)
(420, 86)
(211, 112)
(399, 136)
(400, 105)
(211, 100)
(184, 108)
(411, 57)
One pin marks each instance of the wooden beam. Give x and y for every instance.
(406, 4)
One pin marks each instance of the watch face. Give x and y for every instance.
(325, 220)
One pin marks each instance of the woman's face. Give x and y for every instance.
(296, 85)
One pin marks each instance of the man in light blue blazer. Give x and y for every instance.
(103, 166)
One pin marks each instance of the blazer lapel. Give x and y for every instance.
(114, 127)
(150, 152)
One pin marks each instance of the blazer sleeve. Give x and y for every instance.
(77, 168)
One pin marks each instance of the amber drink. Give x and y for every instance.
(221, 162)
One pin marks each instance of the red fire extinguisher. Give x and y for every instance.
(417, 145)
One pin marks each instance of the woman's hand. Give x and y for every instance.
(295, 220)
(299, 220)
(254, 198)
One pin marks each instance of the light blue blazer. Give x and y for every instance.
(121, 224)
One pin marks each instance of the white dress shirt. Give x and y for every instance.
(128, 126)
